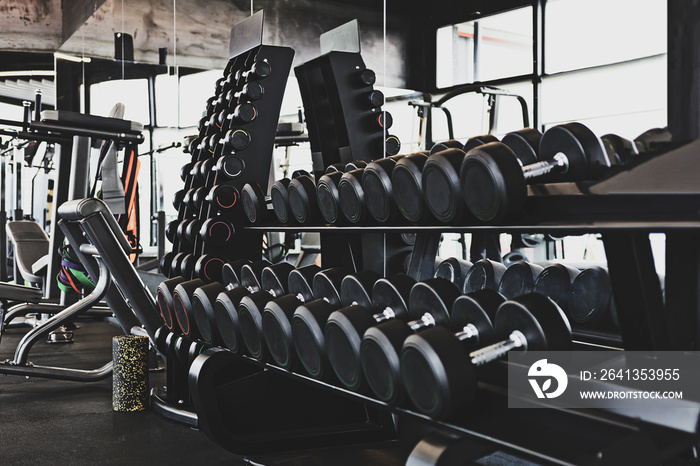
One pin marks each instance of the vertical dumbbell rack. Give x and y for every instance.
(234, 146)
(343, 111)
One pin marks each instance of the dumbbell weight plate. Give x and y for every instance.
(328, 197)
(226, 315)
(406, 180)
(587, 158)
(555, 281)
(590, 297)
(519, 279)
(492, 182)
(203, 300)
(164, 298)
(208, 267)
(485, 273)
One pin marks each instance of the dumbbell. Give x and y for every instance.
(251, 312)
(352, 198)
(345, 327)
(441, 174)
(590, 298)
(429, 304)
(302, 200)
(258, 70)
(555, 281)
(519, 279)
(258, 208)
(650, 139)
(620, 150)
(185, 305)
(454, 270)
(439, 372)
(231, 166)
(407, 181)
(327, 194)
(309, 320)
(279, 196)
(260, 282)
(485, 273)
(494, 183)
(224, 197)
(379, 193)
(278, 295)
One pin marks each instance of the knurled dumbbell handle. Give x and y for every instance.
(558, 164)
(495, 351)
(386, 314)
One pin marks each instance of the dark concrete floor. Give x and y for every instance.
(57, 422)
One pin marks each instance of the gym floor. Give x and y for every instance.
(56, 422)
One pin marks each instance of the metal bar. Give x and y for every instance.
(637, 291)
(683, 61)
(125, 276)
(60, 195)
(65, 316)
(58, 373)
(682, 290)
(97, 134)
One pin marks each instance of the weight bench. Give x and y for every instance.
(31, 247)
(102, 248)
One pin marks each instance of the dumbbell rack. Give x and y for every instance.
(209, 210)
(657, 195)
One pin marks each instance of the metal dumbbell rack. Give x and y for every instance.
(252, 162)
(624, 211)
(238, 398)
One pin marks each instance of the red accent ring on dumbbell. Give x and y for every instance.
(167, 315)
(207, 265)
(185, 329)
(235, 199)
(211, 227)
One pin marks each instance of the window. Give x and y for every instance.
(502, 45)
(133, 93)
(595, 32)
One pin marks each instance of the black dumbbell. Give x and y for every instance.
(454, 270)
(439, 373)
(309, 319)
(302, 200)
(590, 298)
(351, 197)
(485, 273)
(257, 207)
(232, 166)
(442, 172)
(651, 139)
(555, 281)
(327, 194)
(185, 307)
(620, 151)
(406, 182)
(277, 317)
(258, 70)
(429, 304)
(440, 178)
(519, 279)
(274, 291)
(345, 327)
(279, 195)
(379, 194)
(494, 183)
(260, 282)
(224, 197)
